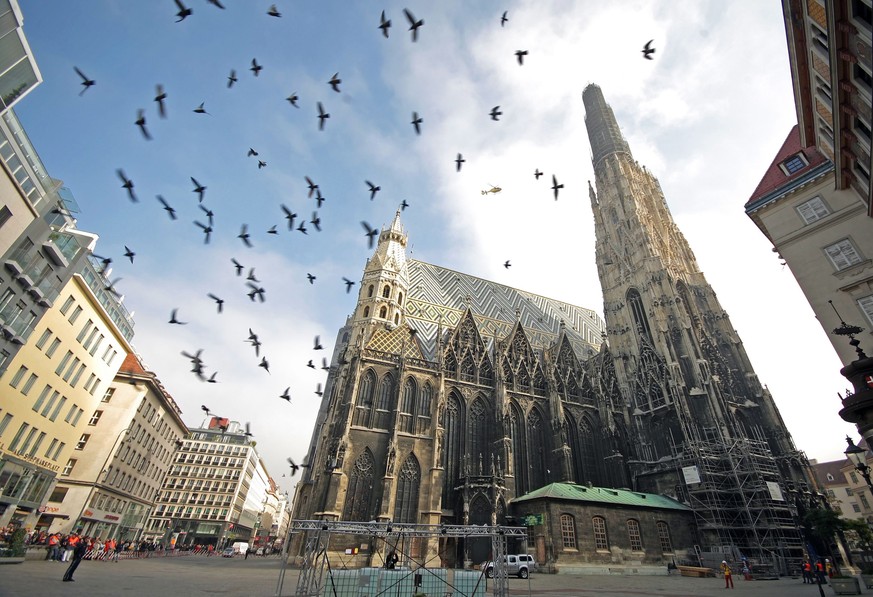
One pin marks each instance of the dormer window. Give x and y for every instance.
(830, 477)
(794, 163)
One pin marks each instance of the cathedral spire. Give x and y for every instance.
(603, 131)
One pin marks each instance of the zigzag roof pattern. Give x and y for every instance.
(438, 297)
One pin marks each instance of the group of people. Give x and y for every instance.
(60, 548)
(818, 572)
(728, 573)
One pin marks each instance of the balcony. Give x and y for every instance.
(54, 254)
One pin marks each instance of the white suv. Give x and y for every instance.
(520, 565)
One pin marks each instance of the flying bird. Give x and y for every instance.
(556, 186)
(212, 378)
(174, 320)
(272, 230)
(334, 82)
(200, 109)
(289, 215)
(373, 189)
(312, 186)
(404, 205)
(311, 278)
(458, 161)
(141, 123)
(251, 276)
(310, 364)
(256, 291)
(316, 344)
(265, 364)
(203, 407)
(128, 184)
(207, 230)
(371, 233)
(496, 113)
(648, 50)
(286, 395)
(231, 79)
(209, 213)
(416, 122)
(86, 82)
(384, 24)
(110, 287)
(302, 228)
(319, 199)
(261, 164)
(216, 3)
(256, 68)
(324, 364)
(503, 18)
(318, 390)
(251, 152)
(274, 12)
(248, 432)
(292, 99)
(184, 11)
(160, 96)
(349, 285)
(294, 467)
(413, 24)
(253, 339)
(128, 253)
(537, 173)
(520, 54)
(507, 265)
(316, 221)
(167, 208)
(218, 301)
(238, 266)
(199, 189)
(322, 116)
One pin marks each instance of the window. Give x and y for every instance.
(54, 346)
(830, 478)
(69, 373)
(29, 384)
(84, 332)
(80, 445)
(813, 210)
(108, 395)
(58, 450)
(95, 417)
(664, 537)
(854, 479)
(866, 305)
(370, 291)
(863, 12)
(633, 535)
(44, 338)
(568, 531)
(67, 304)
(63, 363)
(71, 464)
(109, 355)
(96, 345)
(16, 379)
(51, 447)
(856, 507)
(19, 434)
(75, 315)
(5, 215)
(601, 541)
(77, 417)
(862, 128)
(793, 164)
(383, 312)
(366, 311)
(864, 502)
(843, 254)
(4, 422)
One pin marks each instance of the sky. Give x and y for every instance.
(706, 116)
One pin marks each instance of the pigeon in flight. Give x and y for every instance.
(128, 253)
(507, 265)
(384, 24)
(256, 291)
(289, 215)
(209, 213)
(265, 364)
(413, 24)
(251, 152)
(312, 186)
(173, 318)
(261, 164)
(556, 186)
(256, 68)
(204, 407)
(160, 96)
(231, 79)
(520, 54)
(416, 122)
(216, 3)
(251, 276)
(335, 82)
(496, 113)
(349, 285)
(184, 11)
(292, 99)
(218, 301)
(199, 189)
(458, 161)
(311, 278)
(302, 228)
(371, 233)
(318, 390)
(324, 364)
(141, 123)
(322, 116)
(207, 230)
(373, 189)
(319, 199)
(310, 364)
(316, 221)
(128, 184)
(274, 12)
(273, 230)
(537, 173)
(286, 395)
(167, 208)
(648, 50)
(503, 18)
(86, 82)
(316, 344)
(200, 109)
(238, 266)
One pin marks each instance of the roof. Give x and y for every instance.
(774, 178)
(834, 468)
(602, 495)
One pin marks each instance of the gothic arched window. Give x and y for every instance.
(519, 454)
(406, 504)
(386, 292)
(370, 291)
(360, 489)
(478, 425)
(453, 448)
(538, 449)
(383, 406)
(366, 311)
(638, 310)
(407, 406)
(364, 404)
(424, 405)
(383, 312)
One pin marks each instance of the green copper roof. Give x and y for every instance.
(602, 495)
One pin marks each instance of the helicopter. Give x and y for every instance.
(494, 190)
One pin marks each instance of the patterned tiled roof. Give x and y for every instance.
(603, 495)
(439, 297)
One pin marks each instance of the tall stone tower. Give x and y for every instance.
(706, 430)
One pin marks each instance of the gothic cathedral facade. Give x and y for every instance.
(449, 395)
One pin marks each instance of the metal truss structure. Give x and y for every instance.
(316, 568)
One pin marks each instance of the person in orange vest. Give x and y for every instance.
(728, 578)
(807, 573)
(819, 572)
(54, 541)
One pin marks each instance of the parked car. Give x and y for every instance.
(520, 565)
(228, 552)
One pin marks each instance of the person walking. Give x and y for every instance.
(79, 550)
(728, 578)
(820, 572)
(807, 573)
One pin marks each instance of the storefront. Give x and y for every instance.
(23, 488)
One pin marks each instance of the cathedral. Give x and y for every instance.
(449, 396)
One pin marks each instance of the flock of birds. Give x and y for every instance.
(254, 290)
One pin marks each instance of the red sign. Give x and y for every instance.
(869, 380)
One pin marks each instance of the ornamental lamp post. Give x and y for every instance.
(858, 401)
(858, 457)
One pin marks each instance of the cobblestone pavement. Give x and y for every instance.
(257, 577)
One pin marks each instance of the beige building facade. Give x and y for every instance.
(132, 435)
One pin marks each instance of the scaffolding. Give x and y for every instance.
(738, 503)
(321, 577)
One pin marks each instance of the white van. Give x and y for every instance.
(240, 547)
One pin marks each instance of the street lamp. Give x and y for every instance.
(858, 457)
